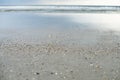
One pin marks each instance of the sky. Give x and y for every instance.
(60, 2)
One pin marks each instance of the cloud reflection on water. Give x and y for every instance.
(59, 21)
(37, 26)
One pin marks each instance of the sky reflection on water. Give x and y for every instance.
(36, 20)
(35, 27)
(62, 21)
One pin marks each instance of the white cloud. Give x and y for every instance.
(80, 2)
(61, 2)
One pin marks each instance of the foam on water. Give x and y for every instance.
(62, 8)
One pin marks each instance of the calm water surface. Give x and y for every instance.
(29, 20)
(40, 26)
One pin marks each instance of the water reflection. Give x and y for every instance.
(101, 21)
(32, 20)
(70, 27)
(38, 20)
(33, 24)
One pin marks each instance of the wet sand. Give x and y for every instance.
(62, 57)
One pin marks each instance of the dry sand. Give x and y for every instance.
(82, 55)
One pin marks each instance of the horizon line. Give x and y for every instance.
(67, 5)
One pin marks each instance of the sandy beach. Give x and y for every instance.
(24, 60)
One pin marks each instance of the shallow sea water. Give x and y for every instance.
(45, 25)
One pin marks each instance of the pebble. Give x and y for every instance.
(64, 77)
(66, 50)
(52, 73)
(98, 66)
(37, 73)
(42, 63)
(91, 64)
(86, 58)
(56, 73)
(11, 70)
(71, 71)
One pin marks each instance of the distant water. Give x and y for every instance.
(62, 8)
(37, 24)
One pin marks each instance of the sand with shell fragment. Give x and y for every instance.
(61, 57)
